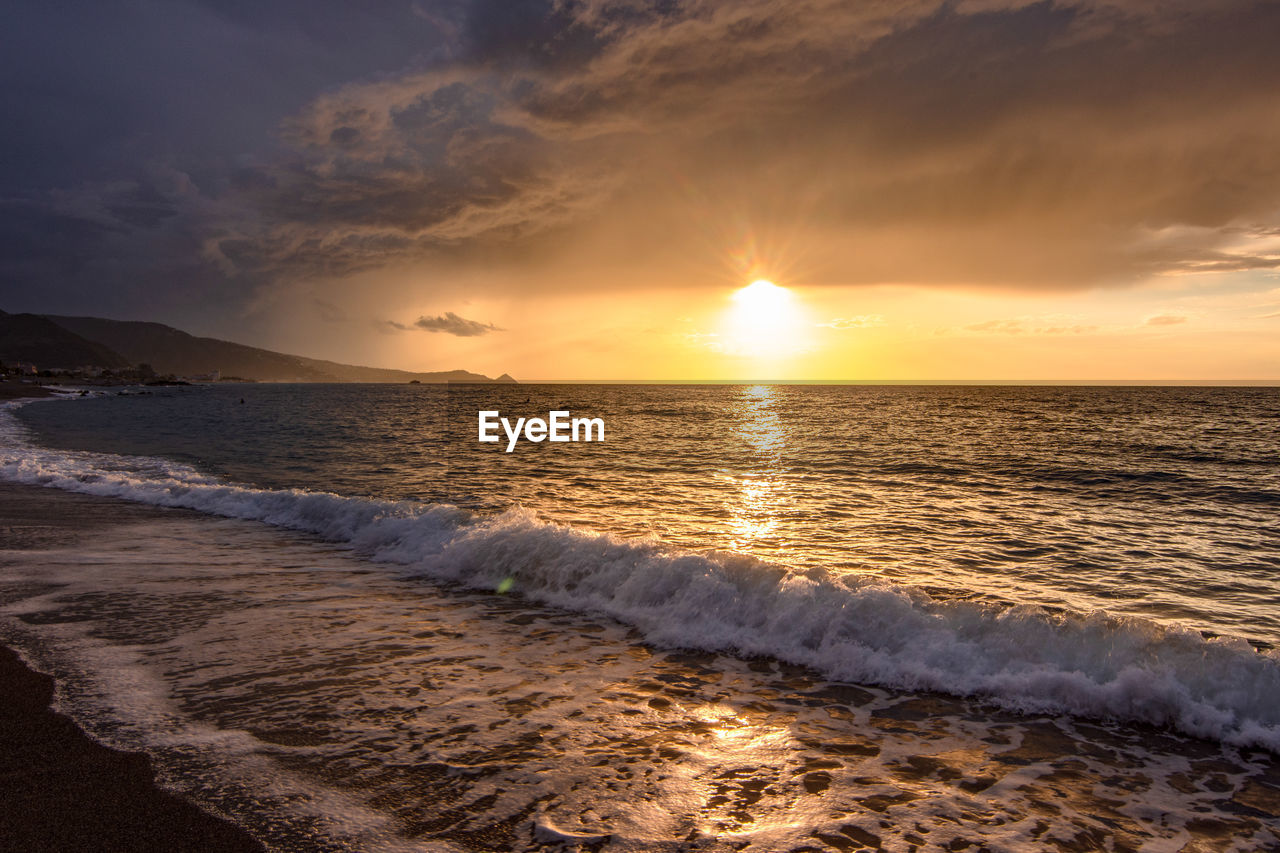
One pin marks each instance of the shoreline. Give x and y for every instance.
(60, 789)
(64, 791)
(10, 390)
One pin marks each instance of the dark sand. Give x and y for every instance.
(11, 390)
(62, 791)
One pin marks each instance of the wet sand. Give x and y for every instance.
(13, 390)
(59, 789)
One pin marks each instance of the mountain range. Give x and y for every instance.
(39, 340)
(52, 341)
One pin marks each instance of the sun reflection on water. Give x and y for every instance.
(753, 501)
(758, 422)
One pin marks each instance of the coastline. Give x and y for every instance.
(62, 790)
(10, 390)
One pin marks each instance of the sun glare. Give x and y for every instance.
(762, 303)
(764, 321)
(761, 296)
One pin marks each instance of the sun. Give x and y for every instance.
(761, 299)
(764, 322)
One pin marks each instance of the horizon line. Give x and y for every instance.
(1261, 383)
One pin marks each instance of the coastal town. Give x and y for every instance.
(142, 374)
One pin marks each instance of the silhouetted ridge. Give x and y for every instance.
(42, 342)
(171, 350)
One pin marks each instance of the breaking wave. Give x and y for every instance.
(847, 627)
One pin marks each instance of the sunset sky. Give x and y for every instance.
(973, 190)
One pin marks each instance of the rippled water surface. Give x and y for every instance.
(328, 705)
(1160, 502)
(752, 619)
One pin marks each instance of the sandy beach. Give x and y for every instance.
(63, 791)
(60, 789)
(14, 390)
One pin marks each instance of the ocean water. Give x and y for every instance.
(754, 617)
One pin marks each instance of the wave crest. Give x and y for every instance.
(847, 627)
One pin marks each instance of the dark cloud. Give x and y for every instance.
(98, 88)
(99, 97)
(449, 323)
(1069, 144)
(920, 142)
(540, 32)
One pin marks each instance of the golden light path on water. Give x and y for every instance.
(753, 516)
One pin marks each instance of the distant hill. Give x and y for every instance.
(40, 341)
(170, 350)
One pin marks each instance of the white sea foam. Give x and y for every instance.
(848, 627)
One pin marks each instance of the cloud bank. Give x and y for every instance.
(605, 143)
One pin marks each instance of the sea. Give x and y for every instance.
(751, 618)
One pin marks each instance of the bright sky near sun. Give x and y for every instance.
(1197, 327)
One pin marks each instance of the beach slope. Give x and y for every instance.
(63, 791)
